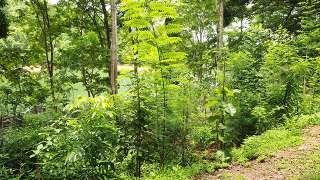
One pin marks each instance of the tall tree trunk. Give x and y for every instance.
(139, 115)
(164, 104)
(108, 41)
(220, 27)
(51, 67)
(106, 23)
(42, 9)
(114, 58)
(221, 60)
(140, 120)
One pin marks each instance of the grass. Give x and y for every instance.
(229, 176)
(177, 172)
(272, 141)
(265, 145)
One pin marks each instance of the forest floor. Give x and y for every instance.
(301, 162)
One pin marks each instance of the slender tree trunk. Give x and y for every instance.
(304, 85)
(158, 126)
(139, 115)
(221, 60)
(106, 23)
(164, 108)
(38, 172)
(164, 104)
(84, 81)
(220, 27)
(186, 114)
(139, 119)
(304, 78)
(108, 41)
(45, 27)
(114, 58)
(51, 57)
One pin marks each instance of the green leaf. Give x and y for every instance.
(230, 109)
(221, 139)
(39, 147)
(212, 102)
(213, 118)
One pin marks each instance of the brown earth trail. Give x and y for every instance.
(301, 162)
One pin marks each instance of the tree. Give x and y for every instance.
(42, 13)
(108, 39)
(308, 44)
(114, 49)
(275, 14)
(154, 40)
(19, 84)
(222, 60)
(81, 60)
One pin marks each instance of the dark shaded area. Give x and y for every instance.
(4, 23)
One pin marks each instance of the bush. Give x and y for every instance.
(202, 136)
(82, 144)
(19, 143)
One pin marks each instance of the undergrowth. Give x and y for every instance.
(258, 147)
(265, 145)
(272, 141)
(180, 173)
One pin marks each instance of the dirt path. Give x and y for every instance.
(302, 162)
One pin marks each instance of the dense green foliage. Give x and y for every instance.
(192, 95)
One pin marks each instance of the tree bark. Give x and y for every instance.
(51, 67)
(114, 58)
(220, 26)
(106, 23)
(221, 60)
(108, 41)
(48, 46)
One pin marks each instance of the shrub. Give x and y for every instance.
(19, 143)
(81, 144)
(202, 136)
